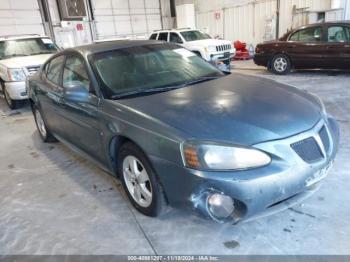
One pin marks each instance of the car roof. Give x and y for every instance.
(335, 22)
(344, 22)
(109, 46)
(18, 37)
(175, 30)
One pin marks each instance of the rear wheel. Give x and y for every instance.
(44, 132)
(280, 64)
(139, 181)
(12, 104)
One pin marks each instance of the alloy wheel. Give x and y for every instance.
(280, 64)
(137, 181)
(40, 123)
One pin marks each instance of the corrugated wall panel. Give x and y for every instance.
(131, 18)
(286, 21)
(264, 21)
(250, 21)
(239, 23)
(20, 17)
(207, 21)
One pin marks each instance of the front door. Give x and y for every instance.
(306, 47)
(82, 125)
(50, 95)
(338, 46)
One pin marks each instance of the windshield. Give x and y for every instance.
(194, 35)
(26, 47)
(150, 67)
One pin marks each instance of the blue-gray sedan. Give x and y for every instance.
(177, 131)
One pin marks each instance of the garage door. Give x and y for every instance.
(20, 17)
(126, 18)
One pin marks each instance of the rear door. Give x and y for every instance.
(338, 46)
(307, 47)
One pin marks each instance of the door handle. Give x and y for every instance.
(291, 46)
(331, 47)
(346, 46)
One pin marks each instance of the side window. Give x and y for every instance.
(163, 37)
(74, 73)
(338, 34)
(175, 38)
(153, 36)
(46, 68)
(294, 37)
(53, 69)
(312, 34)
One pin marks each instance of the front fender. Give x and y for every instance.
(3, 73)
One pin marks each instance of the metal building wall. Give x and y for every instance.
(126, 18)
(287, 8)
(247, 20)
(20, 17)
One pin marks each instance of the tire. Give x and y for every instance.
(12, 104)
(43, 131)
(140, 181)
(280, 64)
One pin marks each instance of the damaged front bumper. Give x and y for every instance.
(286, 181)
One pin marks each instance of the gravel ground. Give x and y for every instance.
(52, 201)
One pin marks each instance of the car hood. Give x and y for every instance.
(24, 61)
(208, 42)
(237, 109)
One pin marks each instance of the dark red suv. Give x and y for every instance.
(325, 45)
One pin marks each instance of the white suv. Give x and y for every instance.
(21, 56)
(215, 51)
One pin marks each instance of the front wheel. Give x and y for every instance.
(44, 132)
(12, 104)
(139, 181)
(280, 64)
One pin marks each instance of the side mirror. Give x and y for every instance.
(76, 92)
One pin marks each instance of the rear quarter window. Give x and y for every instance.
(153, 37)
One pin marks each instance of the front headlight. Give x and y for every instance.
(222, 157)
(16, 74)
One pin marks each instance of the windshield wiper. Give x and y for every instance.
(163, 89)
(143, 91)
(199, 80)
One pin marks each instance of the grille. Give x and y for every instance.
(308, 150)
(32, 69)
(324, 138)
(220, 48)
